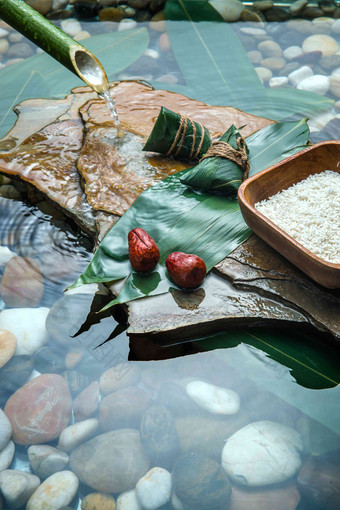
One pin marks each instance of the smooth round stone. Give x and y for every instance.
(14, 374)
(278, 81)
(128, 501)
(276, 14)
(81, 36)
(42, 6)
(176, 503)
(17, 487)
(3, 33)
(319, 481)
(153, 490)
(76, 381)
(263, 73)
(86, 403)
(334, 87)
(328, 6)
(5, 430)
(157, 22)
(253, 31)
(97, 501)
(255, 56)
(22, 284)
(213, 399)
(5, 255)
(111, 14)
(20, 50)
(278, 498)
(6, 456)
(47, 360)
(199, 482)
(56, 491)
(28, 326)
(292, 52)
(46, 460)
(4, 45)
(172, 396)
(263, 5)
(336, 72)
(76, 434)
(273, 63)
(318, 84)
(7, 190)
(159, 436)
(40, 410)
(272, 454)
(319, 42)
(336, 27)
(15, 37)
(230, 10)
(330, 62)
(8, 344)
(127, 24)
(123, 408)
(296, 7)
(299, 75)
(207, 434)
(270, 49)
(71, 26)
(252, 15)
(119, 376)
(111, 462)
(337, 106)
(311, 12)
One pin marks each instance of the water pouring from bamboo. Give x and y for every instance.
(60, 46)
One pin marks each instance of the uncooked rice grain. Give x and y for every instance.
(309, 211)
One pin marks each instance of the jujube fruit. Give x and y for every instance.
(143, 251)
(186, 270)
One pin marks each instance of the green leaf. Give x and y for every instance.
(41, 75)
(217, 70)
(291, 366)
(180, 219)
(213, 62)
(216, 174)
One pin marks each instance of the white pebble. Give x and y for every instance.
(128, 501)
(176, 502)
(151, 53)
(76, 434)
(300, 74)
(262, 453)
(55, 492)
(263, 73)
(278, 81)
(5, 255)
(153, 490)
(71, 26)
(5, 429)
(127, 24)
(17, 487)
(28, 325)
(213, 398)
(318, 84)
(292, 52)
(6, 456)
(3, 32)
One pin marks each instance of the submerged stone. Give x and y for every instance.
(40, 410)
(123, 408)
(111, 462)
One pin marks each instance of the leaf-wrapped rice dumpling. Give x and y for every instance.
(223, 168)
(178, 136)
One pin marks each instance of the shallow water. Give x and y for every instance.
(272, 385)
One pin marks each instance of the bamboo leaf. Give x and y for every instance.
(180, 219)
(217, 70)
(213, 62)
(41, 75)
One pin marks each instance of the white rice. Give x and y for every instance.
(309, 211)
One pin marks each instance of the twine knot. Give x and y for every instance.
(238, 156)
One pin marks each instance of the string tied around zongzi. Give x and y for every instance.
(178, 141)
(224, 150)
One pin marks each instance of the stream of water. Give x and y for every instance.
(113, 111)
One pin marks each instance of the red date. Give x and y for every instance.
(143, 251)
(186, 270)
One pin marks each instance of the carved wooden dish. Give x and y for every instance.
(315, 159)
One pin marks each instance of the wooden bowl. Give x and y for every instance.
(315, 159)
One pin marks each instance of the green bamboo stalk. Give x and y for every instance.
(55, 42)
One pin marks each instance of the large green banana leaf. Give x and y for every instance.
(180, 219)
(42, 76)
(217, 70)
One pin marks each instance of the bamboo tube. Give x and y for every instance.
(54, 41)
